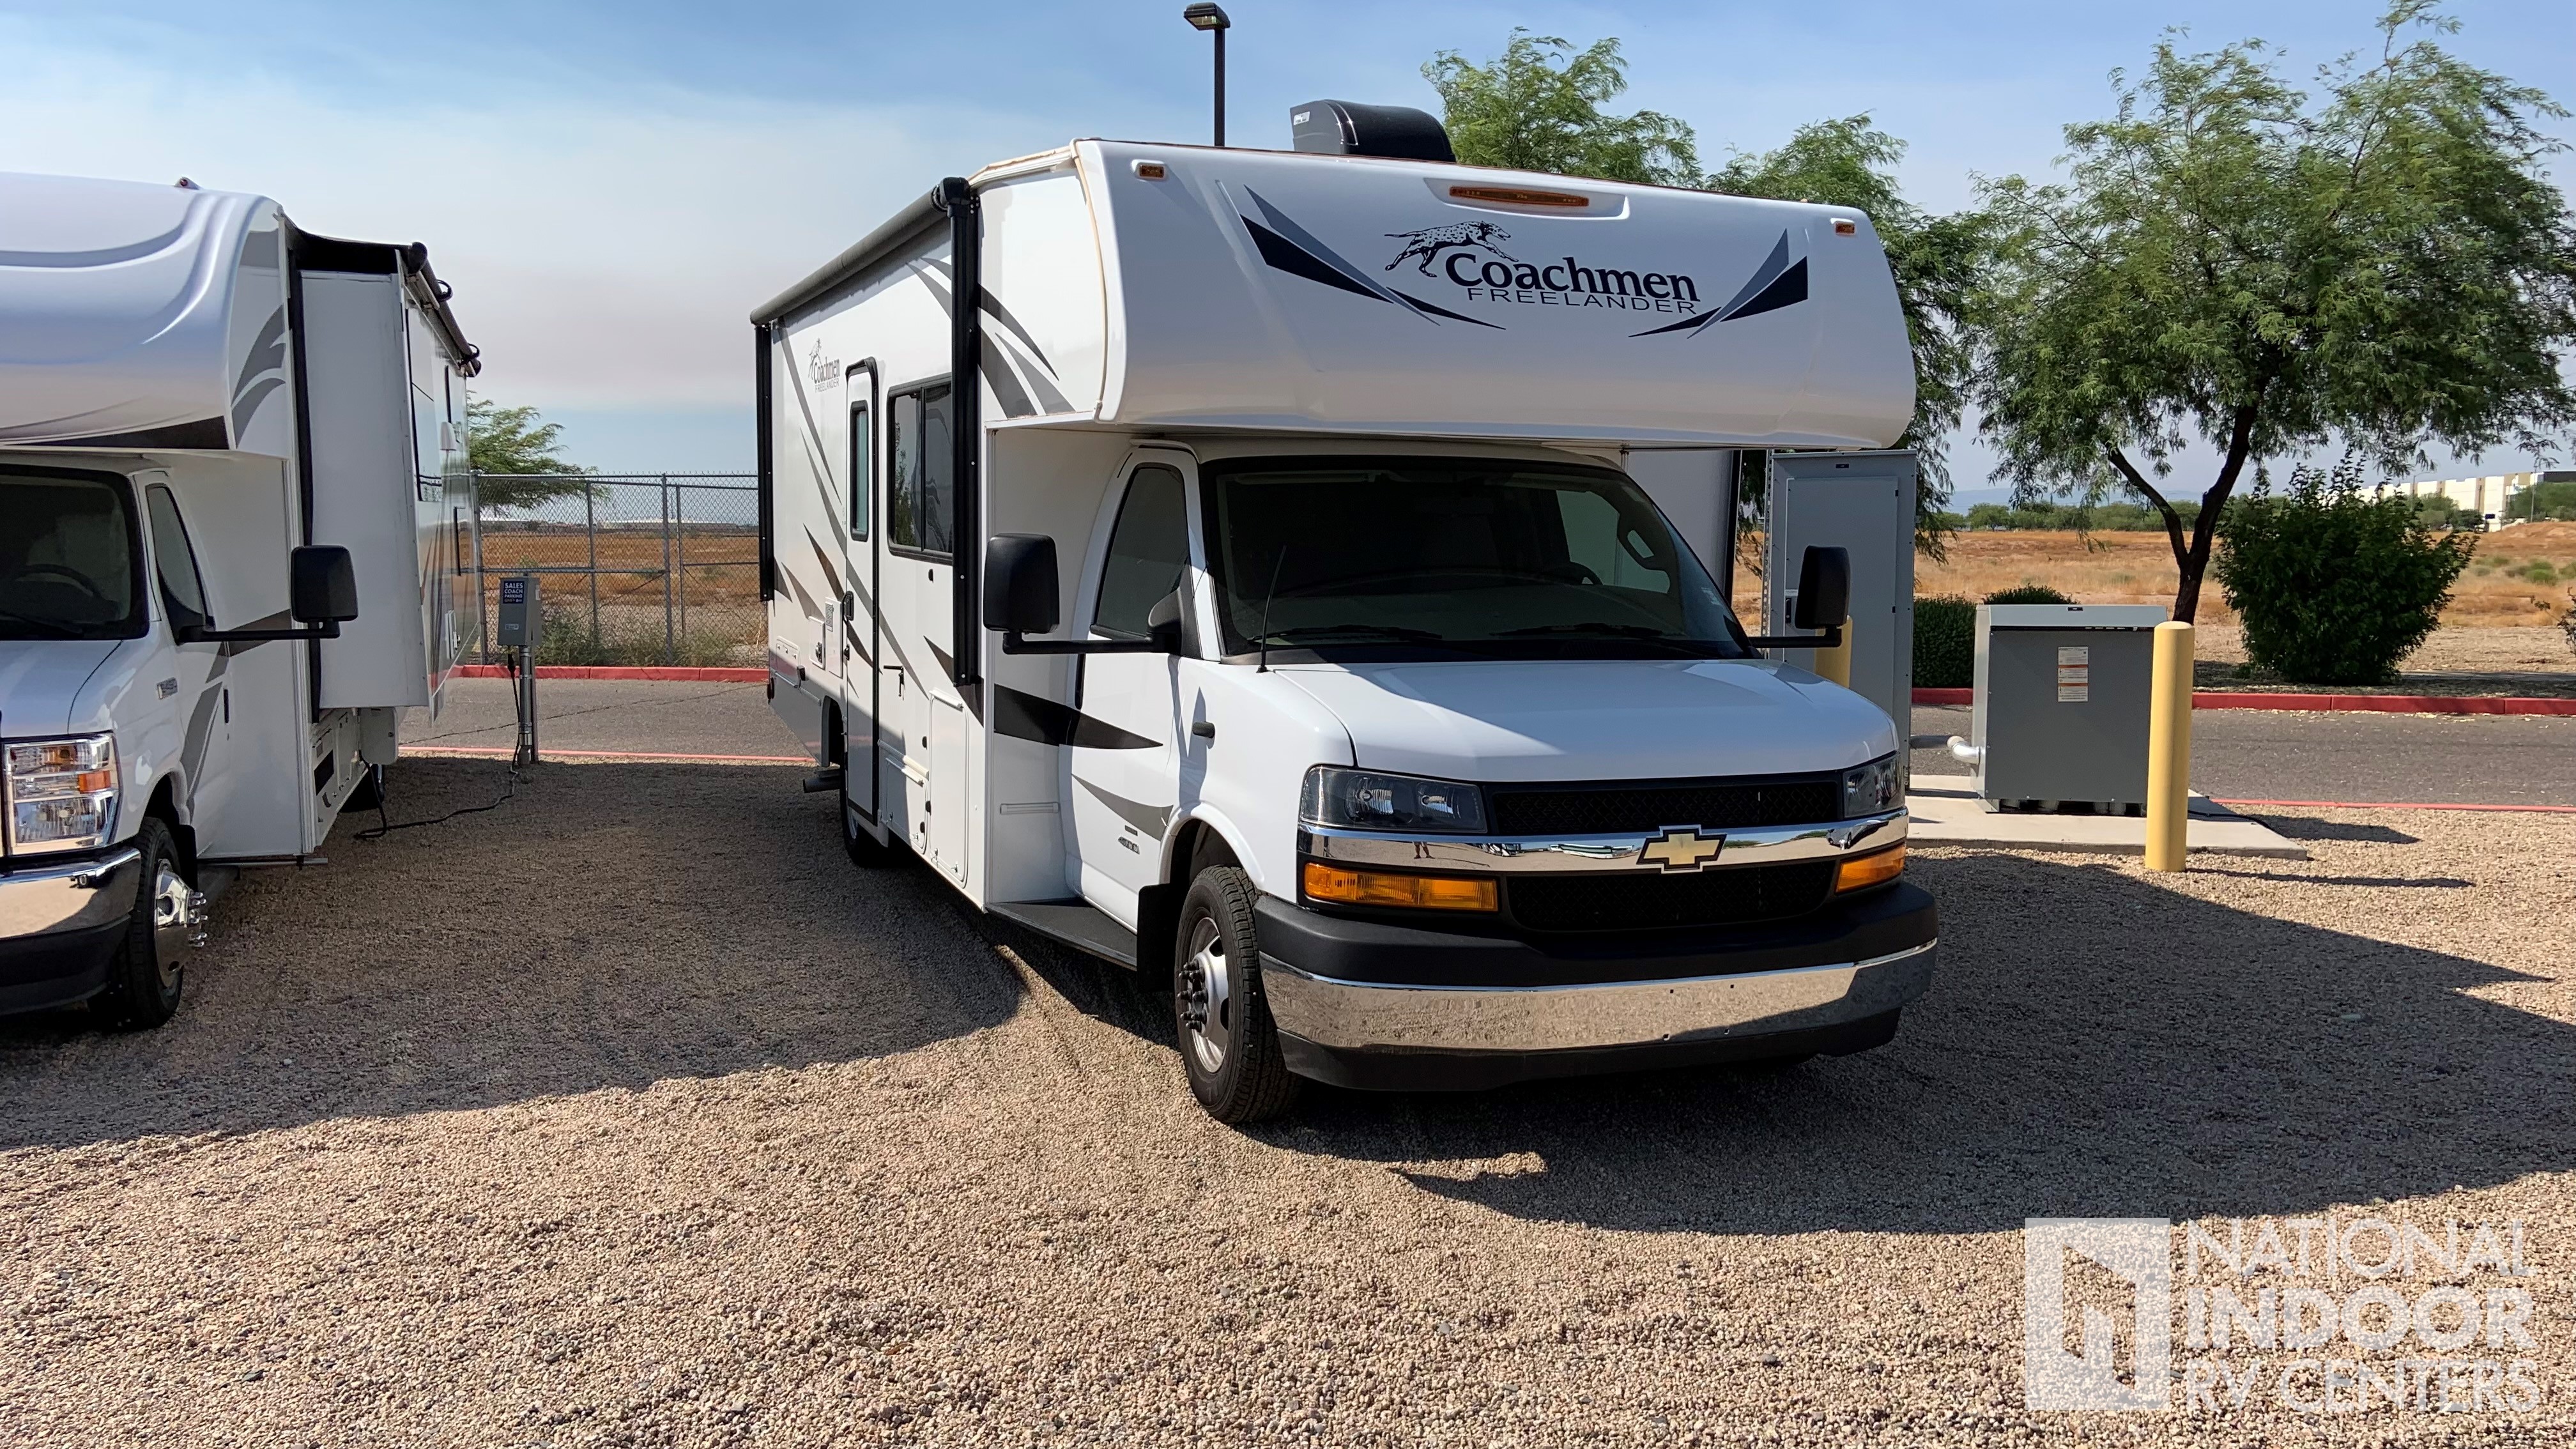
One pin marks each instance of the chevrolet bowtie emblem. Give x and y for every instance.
(1680, 850)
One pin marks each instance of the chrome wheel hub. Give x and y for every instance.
(178, 921)
(1203, 985)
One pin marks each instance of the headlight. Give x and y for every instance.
(1871, 789)
(62, 793)
(1367, 800)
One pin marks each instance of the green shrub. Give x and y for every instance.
(2028, 594)
(2539, 572)
(2333, 587)
(1945, 642)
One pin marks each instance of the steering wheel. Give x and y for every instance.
(67, 574)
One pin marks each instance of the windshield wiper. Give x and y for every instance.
(60, 629)
(1383, 631)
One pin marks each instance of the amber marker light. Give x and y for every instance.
(1876, 868)
(1340, 887)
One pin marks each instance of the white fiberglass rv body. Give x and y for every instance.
(1278, 607)
(232, 490)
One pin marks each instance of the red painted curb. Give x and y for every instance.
(679, 673)
(2401, 805)
(2355, 703)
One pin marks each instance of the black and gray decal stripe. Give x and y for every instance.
(267, 355)
(1290, 248)
(997, 372)
(1026, 716)
(1148, 818)
(201, 724)
(1777, 283)
(986, 301)
(815, 456)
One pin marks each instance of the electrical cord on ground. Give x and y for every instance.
(384, 823)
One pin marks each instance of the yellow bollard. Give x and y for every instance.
(2169, 749)
(1835, 663)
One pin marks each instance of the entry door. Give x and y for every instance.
(1125, 756)
(861, 624)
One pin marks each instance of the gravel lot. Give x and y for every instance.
(629, 1113)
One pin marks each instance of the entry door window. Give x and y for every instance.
(1148, 548)
(862, 472)
(183, 590)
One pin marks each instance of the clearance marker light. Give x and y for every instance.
(1877, 868)
(1520, 196)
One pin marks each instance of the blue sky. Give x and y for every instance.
(611, 187)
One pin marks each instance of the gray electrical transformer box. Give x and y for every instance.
(2061, 705)
(520, 622)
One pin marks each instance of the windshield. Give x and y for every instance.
(70, 566)
(1398, 555)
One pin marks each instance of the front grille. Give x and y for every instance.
(1637, 807)
(1727, 896)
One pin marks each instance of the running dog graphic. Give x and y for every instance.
(1428, 243)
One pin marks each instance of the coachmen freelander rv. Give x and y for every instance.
(1229, 563)
(231, 496)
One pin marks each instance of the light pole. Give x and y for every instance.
(1211, 18)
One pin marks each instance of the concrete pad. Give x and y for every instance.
(1952, 815)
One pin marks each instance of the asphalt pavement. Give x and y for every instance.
(2239, 754)
(2236, 754)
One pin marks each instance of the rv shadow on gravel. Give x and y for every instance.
(611, 925)
(2093, 1046)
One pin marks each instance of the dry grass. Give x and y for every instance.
(2138, 568)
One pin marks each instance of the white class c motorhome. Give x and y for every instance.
(232, 500)
(1228, 563)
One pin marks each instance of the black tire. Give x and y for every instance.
(148, 976)
(1221, 1020)
(862, 847)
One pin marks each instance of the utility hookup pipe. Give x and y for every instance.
(1835, 663)
(2169, 749)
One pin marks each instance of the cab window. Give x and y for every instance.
(174, 562)
(1148, 548)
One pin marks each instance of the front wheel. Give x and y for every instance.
(1229, 1045)
(149, 973)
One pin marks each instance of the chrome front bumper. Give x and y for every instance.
(1377, 1017)
(43, 900)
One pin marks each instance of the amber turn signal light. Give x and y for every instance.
(1378, 888)
(1876, 868)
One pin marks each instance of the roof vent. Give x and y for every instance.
(1347, 128)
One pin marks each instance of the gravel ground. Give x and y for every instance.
(630, 1113)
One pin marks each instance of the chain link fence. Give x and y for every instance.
(636, 568)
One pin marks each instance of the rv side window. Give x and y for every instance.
(174, 562)
(919, 497)
(862, 478)
(1148, 549)
(938, 465)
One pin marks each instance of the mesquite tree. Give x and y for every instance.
(2229, 259)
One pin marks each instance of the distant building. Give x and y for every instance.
(2491, 497)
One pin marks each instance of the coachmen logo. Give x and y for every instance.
(1681, 849)
(1470, 256)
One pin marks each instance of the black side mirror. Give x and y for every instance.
(1020, 583)
(1824, 590)
(321, 587)
(1164, 623)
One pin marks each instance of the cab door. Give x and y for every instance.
(1124, 758)
(195, 684)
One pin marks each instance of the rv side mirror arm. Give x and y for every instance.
(200, 634)
(1830, 639)
(1014, 643)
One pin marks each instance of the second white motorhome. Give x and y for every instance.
(1234, 564)
(233, 505)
